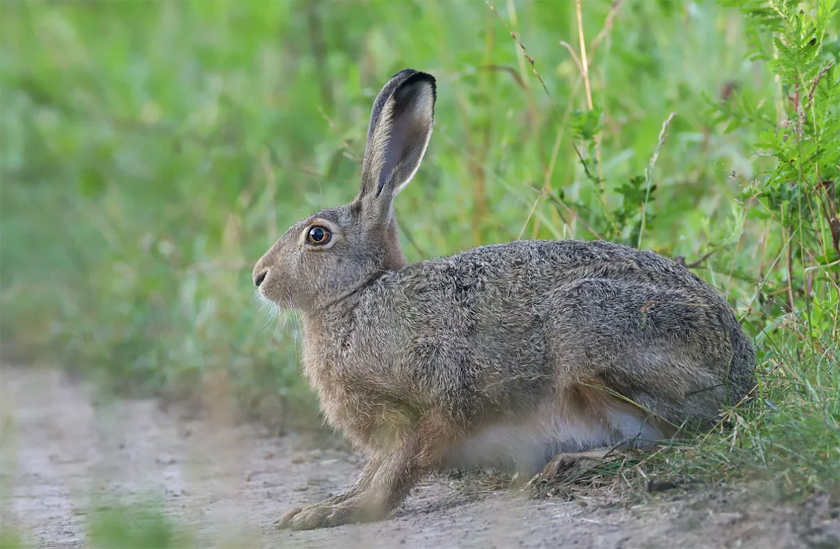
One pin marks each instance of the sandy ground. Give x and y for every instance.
(63, 455)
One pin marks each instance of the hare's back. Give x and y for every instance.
(545, 264)
(515, 279)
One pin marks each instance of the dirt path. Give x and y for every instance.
(62, 457)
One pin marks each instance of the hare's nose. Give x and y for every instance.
(259, 277)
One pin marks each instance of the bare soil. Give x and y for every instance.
(65, 453)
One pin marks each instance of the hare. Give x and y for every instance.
(503, 355)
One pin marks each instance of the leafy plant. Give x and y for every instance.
(800, 194)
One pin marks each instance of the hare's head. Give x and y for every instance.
(332, 253)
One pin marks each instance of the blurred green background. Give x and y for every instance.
(152, 151)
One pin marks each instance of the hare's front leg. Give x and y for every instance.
(383, 484)
(361, 485)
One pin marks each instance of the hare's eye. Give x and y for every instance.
(318, 235)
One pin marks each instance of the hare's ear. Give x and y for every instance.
(400, 127)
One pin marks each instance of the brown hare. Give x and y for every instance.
(504, 355)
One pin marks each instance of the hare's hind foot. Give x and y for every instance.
(561, 463)
(569, 466)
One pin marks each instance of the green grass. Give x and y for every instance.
(10, 540)
(152, 151)
(788, 436)
(138, 526)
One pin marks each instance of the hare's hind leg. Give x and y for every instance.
(655, 356)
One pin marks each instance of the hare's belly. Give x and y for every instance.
(528, 444)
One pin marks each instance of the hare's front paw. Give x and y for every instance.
(326, 514)
(306, 517)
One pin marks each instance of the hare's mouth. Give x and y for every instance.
(283, 301)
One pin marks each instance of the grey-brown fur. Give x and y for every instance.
(501, 355)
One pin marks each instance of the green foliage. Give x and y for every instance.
(586, 127)
(636, 194)
(794, 428)
(799, 194)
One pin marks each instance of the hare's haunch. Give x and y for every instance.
(503, 355)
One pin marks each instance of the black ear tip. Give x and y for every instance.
(403, 74)
(411, 77)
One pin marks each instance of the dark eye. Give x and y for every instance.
(318, 235)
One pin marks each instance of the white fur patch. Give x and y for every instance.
(525, 446)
